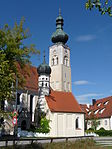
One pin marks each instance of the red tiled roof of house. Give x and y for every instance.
(101, 109)
(63, 102)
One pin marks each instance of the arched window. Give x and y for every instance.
(42, 84)
(46, 84)
(77, 123)
(57, 60)
(53, 61)
(65, 61)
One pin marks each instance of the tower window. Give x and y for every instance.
(46, 84)
(42, 84)
(65, 61)
(57, 60)
(53, 61)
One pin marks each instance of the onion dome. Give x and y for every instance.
(59, 35)
(44, 68)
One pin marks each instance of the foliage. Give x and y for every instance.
(14, 55)
(103, 132)
(104, 6)
(44, 125)
(93, 121)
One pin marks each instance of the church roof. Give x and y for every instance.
(101, 109)
(31, 77)
(59, 101)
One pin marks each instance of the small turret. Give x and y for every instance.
(44, 72)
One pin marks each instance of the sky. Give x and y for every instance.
(90, 40)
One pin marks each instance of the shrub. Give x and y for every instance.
(101, 128)
(44, 125)
(104, 132)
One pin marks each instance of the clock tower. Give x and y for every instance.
(59, 59)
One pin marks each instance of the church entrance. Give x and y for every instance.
(23, 125)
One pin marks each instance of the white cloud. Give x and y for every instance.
(84, 98)
(83, 82)
(85, 38)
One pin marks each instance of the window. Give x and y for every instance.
(98, 104)
(77, 123)
(105, 122)
(57, 60)
(53, 61)
(42, 84)
(18, 99)
(105, 103)
(65, 61)
(95, 112)
(46, 84)
(101, 111)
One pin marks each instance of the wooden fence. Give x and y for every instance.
(6, 141)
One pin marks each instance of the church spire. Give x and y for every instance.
(59, 36)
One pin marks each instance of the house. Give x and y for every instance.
(48, 90)
(101, 109)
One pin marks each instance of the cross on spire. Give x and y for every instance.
(59, 11)
(44, 57)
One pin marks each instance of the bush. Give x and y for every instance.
(44, 126)
(101, 128)
(103, 132)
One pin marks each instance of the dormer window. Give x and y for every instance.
(95, 112)
(87, 110)
(89, 113)
(98, 105)
(105, 103)
(101, 111)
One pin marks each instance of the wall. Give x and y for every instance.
(104, 122)
(63, 124)
(61, 73)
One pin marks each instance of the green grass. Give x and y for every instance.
(79, 144)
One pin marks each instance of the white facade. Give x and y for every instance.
(64, 124)
(105, 123)
(59, 61)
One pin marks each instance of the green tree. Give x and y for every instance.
(14, 55)
(93, 121)
(104, 6)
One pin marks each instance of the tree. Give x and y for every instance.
(104, 6)
(93, 121)
(13, 55)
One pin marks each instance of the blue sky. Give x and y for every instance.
(90, 40)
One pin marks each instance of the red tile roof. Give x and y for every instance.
(31, 77)
(102, 107)
(57, 101)
(63, 102)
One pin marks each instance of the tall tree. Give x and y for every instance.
(13, 54)
(104, 6)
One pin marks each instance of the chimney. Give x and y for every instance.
(93, 101)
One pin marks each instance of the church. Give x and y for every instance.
(48, 89)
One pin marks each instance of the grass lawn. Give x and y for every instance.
(79, 144)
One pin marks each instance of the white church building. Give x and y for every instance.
(49, 87)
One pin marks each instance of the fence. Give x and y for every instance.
(17, 141)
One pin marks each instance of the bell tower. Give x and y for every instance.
(59, 58)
